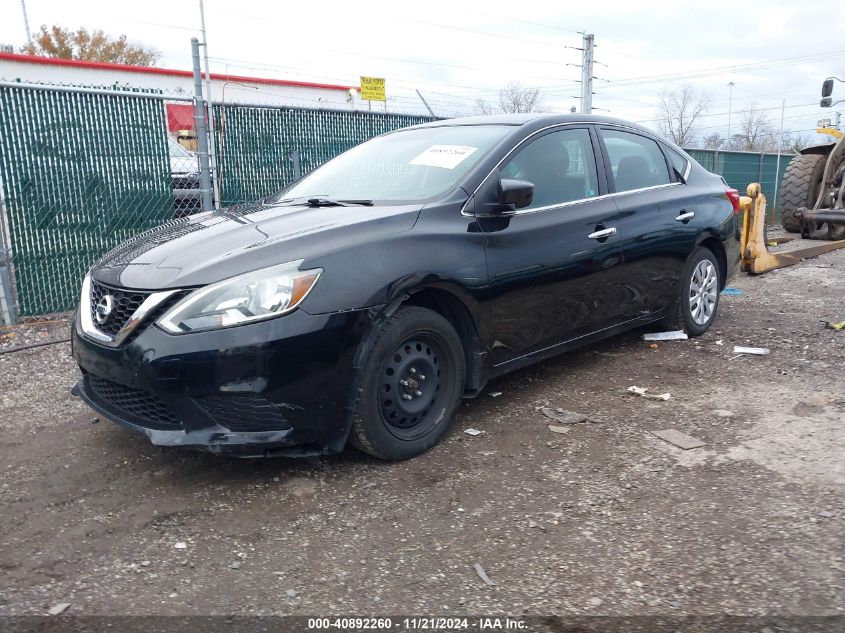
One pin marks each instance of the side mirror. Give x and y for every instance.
(826, 102)
(827, 87)
(517, 194)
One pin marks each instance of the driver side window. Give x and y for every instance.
(561, 166)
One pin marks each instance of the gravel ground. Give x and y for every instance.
(603, 519)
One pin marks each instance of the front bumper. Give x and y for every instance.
(282, 386)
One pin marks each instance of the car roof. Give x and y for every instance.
(538, 120)
(524, 119)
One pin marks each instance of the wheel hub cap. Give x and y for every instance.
(703, 292)
(410, 383)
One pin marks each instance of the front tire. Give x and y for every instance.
(413, 380)
(800, 187)
(701, 283)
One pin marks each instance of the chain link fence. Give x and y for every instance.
(84, 169)
(80, 171)
(259, 149)
(741, 168)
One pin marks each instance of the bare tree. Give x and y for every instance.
(95, 46)
(756, 133)
(678, 112)
(797, 142)
(713, 141)
(515, 98)
(483, 106)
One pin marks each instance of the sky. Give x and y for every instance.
(455, 53)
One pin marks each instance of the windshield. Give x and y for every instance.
(406, 166)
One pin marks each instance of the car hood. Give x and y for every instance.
(216, 245)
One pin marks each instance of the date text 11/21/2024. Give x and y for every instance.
(420, 623)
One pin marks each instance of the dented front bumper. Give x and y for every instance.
(277, 387)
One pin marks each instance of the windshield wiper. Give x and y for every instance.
(331, 202)
(323, 201)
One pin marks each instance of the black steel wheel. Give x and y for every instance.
(412, 382)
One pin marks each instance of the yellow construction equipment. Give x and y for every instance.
(756, 258)
(812, 192)
(830, 131)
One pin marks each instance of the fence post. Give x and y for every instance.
(8, 305)
(297, 164)
(775, 207)
(8, 311)
(201, 129)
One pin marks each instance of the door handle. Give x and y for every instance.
(686, 215)
(598, 235)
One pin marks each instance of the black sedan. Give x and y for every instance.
(365, 300)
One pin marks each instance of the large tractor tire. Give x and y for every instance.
(800, 187)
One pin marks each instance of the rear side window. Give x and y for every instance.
(636, 161)
(678, 162)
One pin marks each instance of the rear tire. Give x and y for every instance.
(412, 382)
(698, 300)
(800, 187)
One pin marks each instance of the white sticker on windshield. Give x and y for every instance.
(446, 156)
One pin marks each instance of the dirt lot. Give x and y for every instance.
(604, 519)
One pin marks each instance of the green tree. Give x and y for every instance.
(93, 46)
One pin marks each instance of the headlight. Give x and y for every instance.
(262, 294)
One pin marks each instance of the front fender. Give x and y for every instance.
(441, 251)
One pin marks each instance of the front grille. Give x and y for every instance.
(138, 406)
(125, 304)
(243, 412)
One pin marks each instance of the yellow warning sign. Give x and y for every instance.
(372, 89)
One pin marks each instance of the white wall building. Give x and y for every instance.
(176, 83)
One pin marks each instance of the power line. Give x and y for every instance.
(718, 70)
(411, 83)
(528, 22)
(751, 109)
(719, 127)
(406, 60)
(473, 31)
(264, 19)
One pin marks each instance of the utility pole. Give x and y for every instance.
(777, 165)
(200, 128)
(26, 23)
(730, 103)
(587, 74)
(212, 156)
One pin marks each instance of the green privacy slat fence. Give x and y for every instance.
(80, 173)
(741, 168)
(254, 143)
